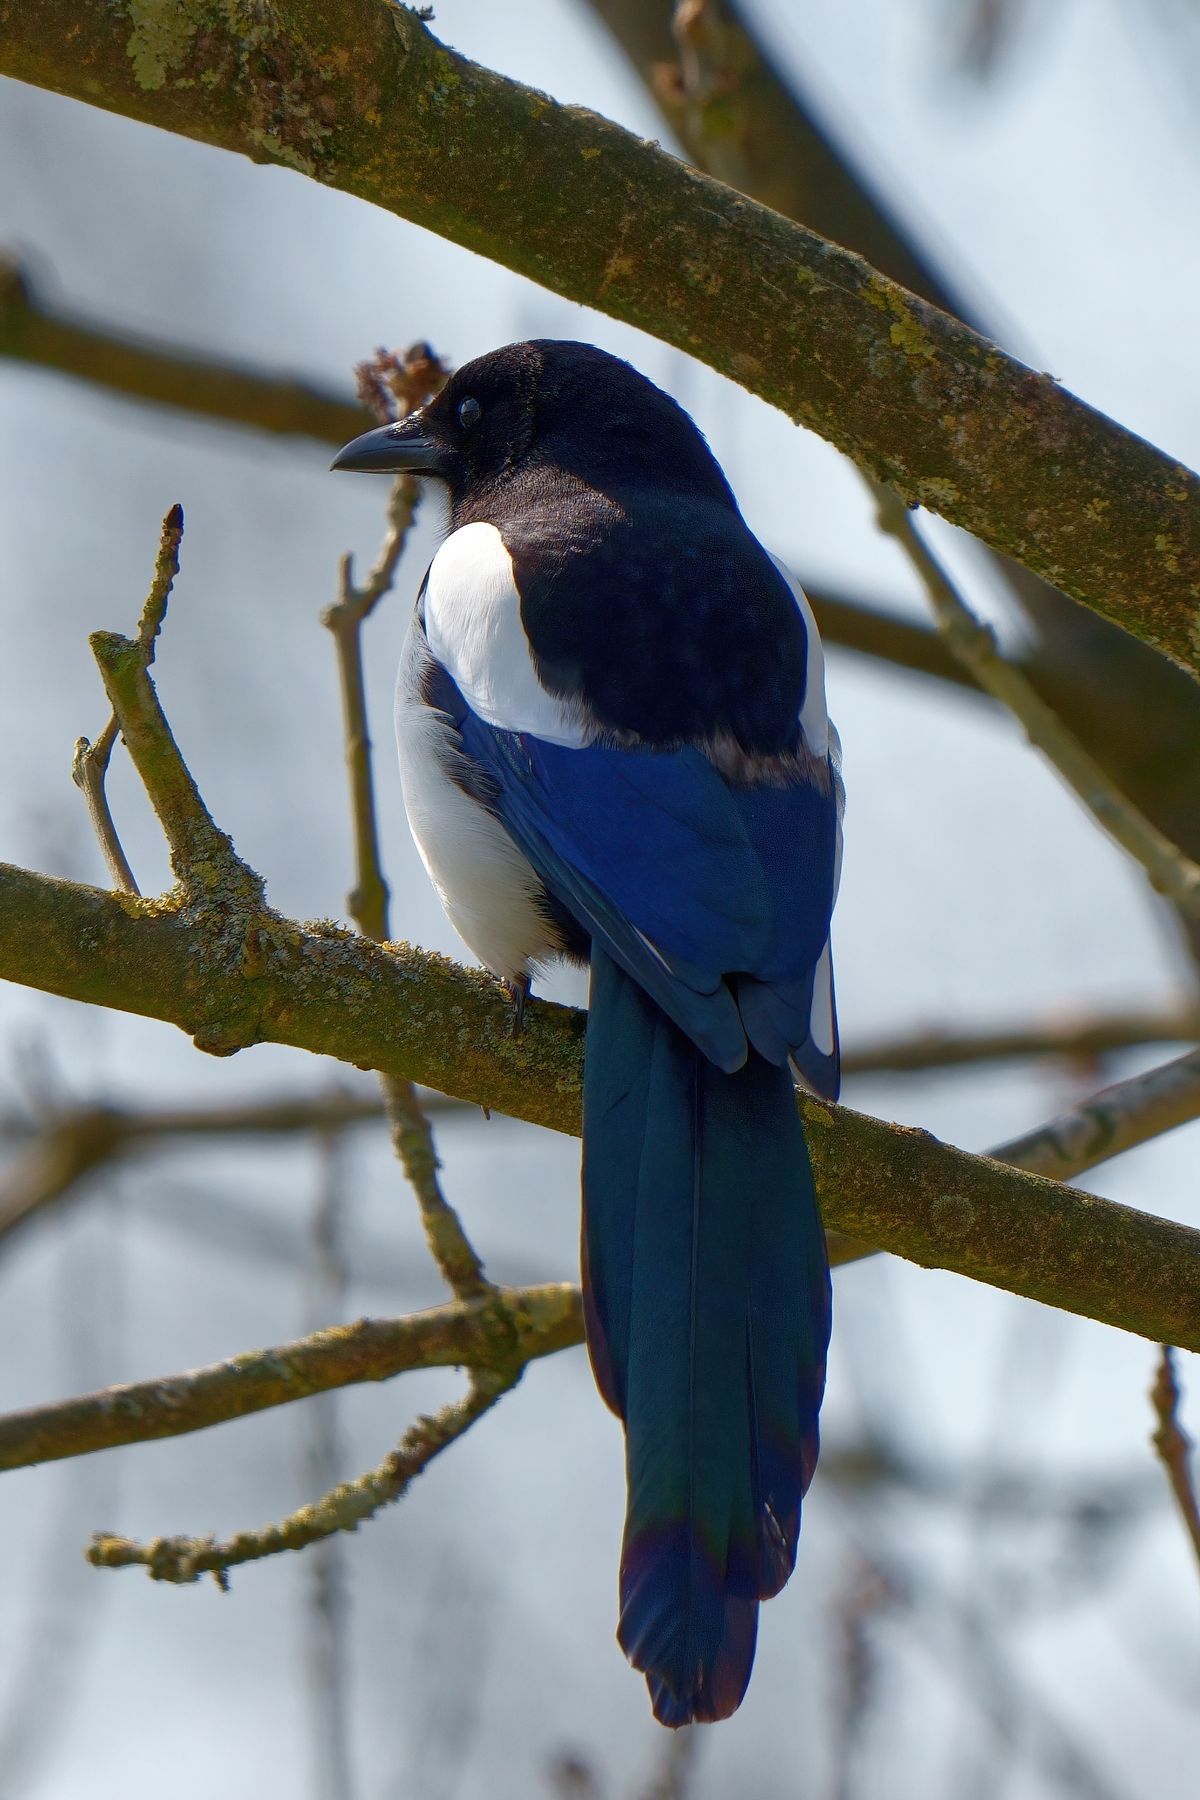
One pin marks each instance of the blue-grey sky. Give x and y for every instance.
(1064, 197)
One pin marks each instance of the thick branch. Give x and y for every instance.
(362, 97)
(502, 1331)
(262, 978)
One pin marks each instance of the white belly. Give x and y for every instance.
(489, 891)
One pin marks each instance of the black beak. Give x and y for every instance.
(396, 449)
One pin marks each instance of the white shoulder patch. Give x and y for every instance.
(814, 720)
(473, 626)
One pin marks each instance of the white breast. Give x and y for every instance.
(473, 624)
(489, 891)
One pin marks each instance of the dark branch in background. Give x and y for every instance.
(40, 335)
(974, 644)
(785, 155)
(885, 635)
(164, 375)
(1074, 1037)
(363, 98)
(64, 1148)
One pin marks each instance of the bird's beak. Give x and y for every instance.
(397, 449)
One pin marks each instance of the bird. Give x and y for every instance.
(615, 750)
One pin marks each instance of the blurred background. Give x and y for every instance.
(994, 1595)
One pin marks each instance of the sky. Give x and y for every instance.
(974, 890)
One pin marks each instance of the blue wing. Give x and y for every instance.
(715, 898)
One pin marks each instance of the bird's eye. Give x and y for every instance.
(469, 413)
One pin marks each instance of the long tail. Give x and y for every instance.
(706, 1292)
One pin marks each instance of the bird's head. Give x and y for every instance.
(546, 404)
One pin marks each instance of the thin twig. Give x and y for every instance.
(90, 763)
(1174, 1446)
(368, 901)
(974, 643)
(183, 1559)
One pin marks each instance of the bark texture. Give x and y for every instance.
(359, 95)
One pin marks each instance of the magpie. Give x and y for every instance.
(614, 747)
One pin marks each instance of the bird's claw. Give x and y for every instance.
(518, 993)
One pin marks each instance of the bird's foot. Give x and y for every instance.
(518, 993)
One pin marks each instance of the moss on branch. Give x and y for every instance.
(362, 97)
(239, 978)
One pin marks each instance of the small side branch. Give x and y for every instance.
(202, 856)
(90, 765)
(1174, 1446)
(345, 1508)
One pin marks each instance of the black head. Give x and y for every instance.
(547, 404)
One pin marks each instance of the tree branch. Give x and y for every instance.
(1077, 1037)
(764, 121)
(251, 976)
(363, 98)
(33, 332)
(90, 765)
(184, 1560)
(509, 1328)
(1106, 1124)
(507, 1325)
